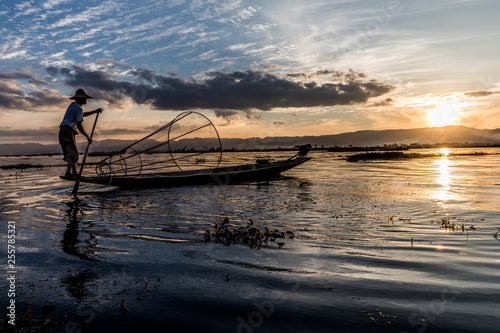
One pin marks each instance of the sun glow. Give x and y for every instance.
(444, 115)
(444, 151)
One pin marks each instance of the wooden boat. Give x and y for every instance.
(260, 171)
(179, 142)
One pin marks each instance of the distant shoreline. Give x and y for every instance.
(392, 147)
(365, 140)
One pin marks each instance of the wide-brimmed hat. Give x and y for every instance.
(81, 94)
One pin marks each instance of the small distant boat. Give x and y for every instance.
(220, 176)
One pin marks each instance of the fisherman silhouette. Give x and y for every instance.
(72, 120)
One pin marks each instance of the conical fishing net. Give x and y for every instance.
(190, 142)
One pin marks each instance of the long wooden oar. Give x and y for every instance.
(77, 184)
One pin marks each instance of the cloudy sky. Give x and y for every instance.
(256, 68)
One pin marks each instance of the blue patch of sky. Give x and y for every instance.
(181, 37)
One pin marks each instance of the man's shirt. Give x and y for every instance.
(73, 115)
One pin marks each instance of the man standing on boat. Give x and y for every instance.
(72, 120)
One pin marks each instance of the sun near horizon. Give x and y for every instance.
(444, 115)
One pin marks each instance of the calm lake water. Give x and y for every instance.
(368, 254)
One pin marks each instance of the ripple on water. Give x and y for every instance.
(364, 242)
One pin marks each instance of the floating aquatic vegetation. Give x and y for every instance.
(29, 322)
(249, 235)
(123, 307)
(380, 317)
(449, 225)
(398, 155)
(21, 166)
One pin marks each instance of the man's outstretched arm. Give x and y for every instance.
(89, 113)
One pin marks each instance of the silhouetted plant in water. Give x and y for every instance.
(448, 225)
(248, 235)
(397, 155)
(29, 322)
(21, 166)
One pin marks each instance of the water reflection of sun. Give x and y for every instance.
(444, 177)
(444, 151)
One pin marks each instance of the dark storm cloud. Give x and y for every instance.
(122, 131)
(11, 97)
(53, 71)
(225, 113)
(241, 90)
(9, 87)
(385, 102)
(481, 93)
(38, 134)
(228, 115)
(99, 84)
(50, 134)
(44, 97)
(296, 75)
(23, 74)
(329, 73)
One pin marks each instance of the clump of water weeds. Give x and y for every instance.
(248, 235)
(22, 166)
(448, 225)
(28, 322)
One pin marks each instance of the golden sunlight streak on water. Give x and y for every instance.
(443, 178)
(445, 151)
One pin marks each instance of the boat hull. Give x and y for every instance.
(220, 176)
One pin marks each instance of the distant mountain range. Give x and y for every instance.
(434, 135)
